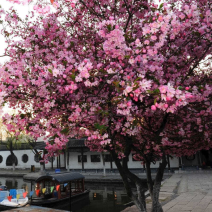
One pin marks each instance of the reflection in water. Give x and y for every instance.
(103, 198)
(14, 183)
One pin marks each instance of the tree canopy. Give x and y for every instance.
(127, 74)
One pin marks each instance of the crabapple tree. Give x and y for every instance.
(129, 75)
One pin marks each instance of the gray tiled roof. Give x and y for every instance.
(76, 142)
(23, 146)
(72, 144)
(62, 177)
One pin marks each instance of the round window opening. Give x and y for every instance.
(1, 159)
(25, 158)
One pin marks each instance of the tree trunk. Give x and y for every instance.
(141, 195)
(140, 200)
(140, 185)
(13, 159)
(149, 179)
(156, 206)
(13, 166)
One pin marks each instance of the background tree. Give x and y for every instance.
(12, 142)
(132, 76)
(9, 141)
(31, 142)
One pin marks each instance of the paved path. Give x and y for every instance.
(185, 192)
(194, 193)
(168, 190)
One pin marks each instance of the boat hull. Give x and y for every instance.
(6, 207)
(77, 201)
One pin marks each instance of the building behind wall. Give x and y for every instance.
(78, 157)
(25, 157)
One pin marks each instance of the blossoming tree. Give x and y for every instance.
(129, 75)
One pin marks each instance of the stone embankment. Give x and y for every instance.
(90, 177)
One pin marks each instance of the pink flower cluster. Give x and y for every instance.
(98, 71)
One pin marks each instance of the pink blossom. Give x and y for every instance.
(56, 4)
(160, 18)
(146, 42)
(153, 37)
(166, 105)
(153, 107)
(127, 90)
(163, 89)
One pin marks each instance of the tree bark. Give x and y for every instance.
(156, 206)
(149, 179)
(140, 185)
(141, 195)
(13, 157)
(125, 174)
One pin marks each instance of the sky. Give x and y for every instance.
(22, 10)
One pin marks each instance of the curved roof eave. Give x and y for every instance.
(63, 177)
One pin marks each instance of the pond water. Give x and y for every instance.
(106, 198)
(103, 198)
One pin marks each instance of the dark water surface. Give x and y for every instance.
(103, 198)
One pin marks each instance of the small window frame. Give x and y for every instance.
(108, 158)
(95, 158)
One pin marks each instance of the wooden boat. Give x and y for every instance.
(62, 190)
(5, 204)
